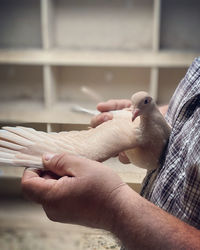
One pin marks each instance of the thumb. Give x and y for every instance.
(65, 164)
(57, 163)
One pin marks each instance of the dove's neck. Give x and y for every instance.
(144, 121)
(148, 118)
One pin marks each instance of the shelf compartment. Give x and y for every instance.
(180, 25)
(21, 83)
(103, 25)
(106, 82)
(21, 92)
(20, 25)
(168, 81)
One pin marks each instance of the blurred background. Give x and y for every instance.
(57, 55)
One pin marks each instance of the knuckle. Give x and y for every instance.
(99, 117)
(115, 104)
(127, 104)
(96, 120)
(93, 122)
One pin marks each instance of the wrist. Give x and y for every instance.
(125, 215)
(122, 210)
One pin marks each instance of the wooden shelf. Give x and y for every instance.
(50, 49)
(23, 112)
(106, 82)
(98, 58)
(129, 173)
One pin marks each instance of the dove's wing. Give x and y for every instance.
(20, 146)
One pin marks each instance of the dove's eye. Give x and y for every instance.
(146, 101)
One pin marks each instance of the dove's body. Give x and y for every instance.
(143, 140)
(152, 139)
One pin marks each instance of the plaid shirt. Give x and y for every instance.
(175, 186)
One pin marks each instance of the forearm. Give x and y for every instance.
(141, 225)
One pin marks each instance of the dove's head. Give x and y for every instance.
(142, 103)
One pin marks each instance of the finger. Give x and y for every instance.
(49, 175)
(123, 158)
(35, 187)
(113, 105)
(31, 173)
(66, 164)
(97, 120)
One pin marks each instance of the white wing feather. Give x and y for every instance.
(21, 146)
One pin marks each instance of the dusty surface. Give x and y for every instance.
(24, 226)
(29, 239)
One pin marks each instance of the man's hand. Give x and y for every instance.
(105, 107)
(85, 192)
(74, 190)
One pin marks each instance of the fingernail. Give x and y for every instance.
(48, 156)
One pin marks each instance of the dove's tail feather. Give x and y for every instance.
(21, 146)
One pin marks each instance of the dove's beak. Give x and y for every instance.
(135, 113)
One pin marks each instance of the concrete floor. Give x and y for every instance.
(24, 226)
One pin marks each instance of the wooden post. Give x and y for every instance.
(154, 74)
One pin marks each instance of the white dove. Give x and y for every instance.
(140, 131)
